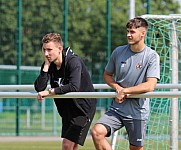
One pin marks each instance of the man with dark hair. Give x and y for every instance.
(66, 73)
(132, 69)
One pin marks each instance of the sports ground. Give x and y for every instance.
(37, 143)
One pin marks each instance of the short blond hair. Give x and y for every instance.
(52, 37)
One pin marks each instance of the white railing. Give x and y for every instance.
(96, 86)
(33, 94)
(165, 94)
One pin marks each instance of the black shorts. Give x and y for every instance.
(75, 125)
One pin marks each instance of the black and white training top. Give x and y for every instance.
(73, 76)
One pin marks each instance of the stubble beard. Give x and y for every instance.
(134, 42)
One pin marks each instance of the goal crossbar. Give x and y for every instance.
(167, 17)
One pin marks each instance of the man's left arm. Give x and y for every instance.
(144, 87)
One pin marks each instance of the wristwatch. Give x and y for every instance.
(50, 91)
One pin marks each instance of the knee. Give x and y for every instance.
(94, 131)
(98, 131)
(67, 145)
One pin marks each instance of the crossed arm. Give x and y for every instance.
(123, 93)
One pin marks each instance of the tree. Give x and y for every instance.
(86, 26)
(7, 32)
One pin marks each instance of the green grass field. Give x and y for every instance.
(54, 145)
(158, 133)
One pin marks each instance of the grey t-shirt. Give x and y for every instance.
(130, 69)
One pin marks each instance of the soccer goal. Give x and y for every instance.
(164, 127)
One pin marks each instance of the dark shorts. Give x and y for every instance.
(136, 129)
(75, 125)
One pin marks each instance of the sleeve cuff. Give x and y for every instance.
(44, 73)
(57, 90)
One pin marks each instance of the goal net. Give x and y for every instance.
(164, 127)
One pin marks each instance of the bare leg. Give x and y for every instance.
(69, 145)
(136, 147)
(75, 147)
(98, 134)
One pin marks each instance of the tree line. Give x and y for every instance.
(86, 27)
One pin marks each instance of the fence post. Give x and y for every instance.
(18, 42)
(65, 20)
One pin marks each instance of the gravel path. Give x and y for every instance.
(28, 138)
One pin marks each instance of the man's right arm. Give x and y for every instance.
(40, 83)
(108, 78)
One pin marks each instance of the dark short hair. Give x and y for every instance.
(137, 22)
(52, 37)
